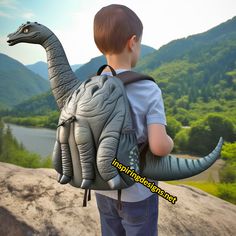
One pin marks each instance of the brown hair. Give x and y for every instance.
(114, 25)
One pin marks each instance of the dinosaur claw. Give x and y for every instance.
(65, 179)
(115, 183)
(59, 177)
(86, 183)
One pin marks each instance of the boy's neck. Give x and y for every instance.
(118, 61)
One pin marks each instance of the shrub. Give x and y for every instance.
(173, 126)
(227, 192)
(205, 133)
(229, 152)
(228, 173)
(181, 140)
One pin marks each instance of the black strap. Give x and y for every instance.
(100, 70)
(119, 204)
(87, 195)
(127, 77)
(69, 120)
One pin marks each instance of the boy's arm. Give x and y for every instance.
(159, 142)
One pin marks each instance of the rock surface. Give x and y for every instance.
(33, 203)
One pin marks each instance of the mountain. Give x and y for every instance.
(192, 47)
(76, 67)
(197, 74)
(41, 68)
(41, 104)
(92, 66)
(36, 105)
(17, 82)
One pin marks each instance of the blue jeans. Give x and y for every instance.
(134, 219)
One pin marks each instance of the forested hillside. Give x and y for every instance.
(197, 76)
(43, 103)
(197, 73)
(17, 83)
(40, 68)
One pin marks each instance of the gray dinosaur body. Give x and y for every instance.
(70, 160)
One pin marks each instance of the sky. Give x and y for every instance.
(72, 22)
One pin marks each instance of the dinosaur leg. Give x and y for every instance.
(84, 142)
(56, 158)
(66, 160)
(105, 154)
(107, 151)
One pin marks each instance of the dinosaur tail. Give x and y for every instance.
(173, 168)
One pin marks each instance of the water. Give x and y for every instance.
(38, 140)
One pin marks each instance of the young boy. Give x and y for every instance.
(118, 34)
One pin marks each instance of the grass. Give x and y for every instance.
(225, 191)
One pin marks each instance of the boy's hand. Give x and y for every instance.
(159, 142)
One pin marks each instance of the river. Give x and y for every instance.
(38, 140)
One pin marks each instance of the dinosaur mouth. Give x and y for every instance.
(11, 42)
(21, 39)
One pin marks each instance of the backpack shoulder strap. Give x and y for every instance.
(128, 77)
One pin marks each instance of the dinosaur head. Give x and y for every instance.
(31, 32)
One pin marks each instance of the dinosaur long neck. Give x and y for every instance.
(62, 79)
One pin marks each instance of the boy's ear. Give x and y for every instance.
(131, 43)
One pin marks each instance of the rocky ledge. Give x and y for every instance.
(33, 203)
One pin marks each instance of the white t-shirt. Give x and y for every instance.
(147, 108)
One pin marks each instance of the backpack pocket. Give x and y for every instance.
(128, 153)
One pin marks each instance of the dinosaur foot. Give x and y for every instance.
(86, 183)
(59, 177)
(116, 183)
(64, 179)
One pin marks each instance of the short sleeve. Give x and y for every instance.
(155, 111)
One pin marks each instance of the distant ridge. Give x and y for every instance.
(17, 82)
(41, 68)
(190, 71)
(92, 66)
(190, 47)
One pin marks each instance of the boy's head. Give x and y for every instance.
(114, 26)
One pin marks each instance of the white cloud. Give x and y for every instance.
(13, 9)
(28, 15)
(10, 4)
(6, 15)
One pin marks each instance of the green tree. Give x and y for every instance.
(205, 133)
(173, 126)
(15, 153)
(181, 140)
(183, 102)
(228, 172)
(229, 152)
(183, 116)
(1, 135)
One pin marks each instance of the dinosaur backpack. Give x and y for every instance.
(73, 156)
(95, 127)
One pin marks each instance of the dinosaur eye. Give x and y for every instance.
(26, 30)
